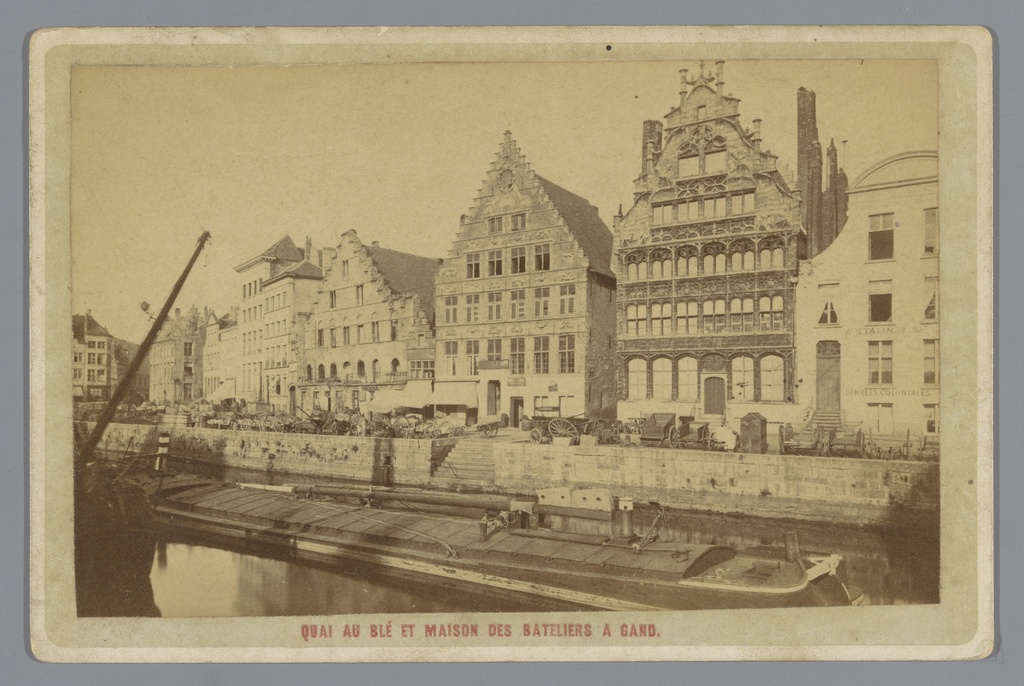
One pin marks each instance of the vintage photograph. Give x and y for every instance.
(510, 350)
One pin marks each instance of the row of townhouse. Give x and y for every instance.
(723, 290)
(101, 360)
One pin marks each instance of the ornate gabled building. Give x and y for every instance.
(707, 260)
(371, 329)
(525, 302)
(176, 358)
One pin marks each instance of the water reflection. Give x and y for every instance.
(894, 564)
(197, 581)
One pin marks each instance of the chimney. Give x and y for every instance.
(755, 135)
(177, 312)
(320, 258)
(720, 74)
(309, 249)
(375, 244)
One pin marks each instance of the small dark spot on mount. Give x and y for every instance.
(607, 47)
(970, 482)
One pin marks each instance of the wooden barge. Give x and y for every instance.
(497, 550)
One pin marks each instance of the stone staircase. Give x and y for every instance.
(465, 467)
(824, 420)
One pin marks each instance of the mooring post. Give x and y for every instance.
(163, 444)
(483, 529)
(626, 508)
(792, 547)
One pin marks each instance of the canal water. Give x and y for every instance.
(894, 564)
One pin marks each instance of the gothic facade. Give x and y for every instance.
(706, 260)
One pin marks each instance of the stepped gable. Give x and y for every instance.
(585, 224)
(405, 273)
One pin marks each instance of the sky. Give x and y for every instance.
(397, 152)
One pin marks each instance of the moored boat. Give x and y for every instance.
(499, 550)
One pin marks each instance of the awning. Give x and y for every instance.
(223, 392)
(455, 393)
(415, 395)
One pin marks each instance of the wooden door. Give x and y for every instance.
(714, 395)
(828, 385)
(516, 410)
(493, 397)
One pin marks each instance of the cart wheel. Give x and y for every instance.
(536, 435)
(563, 428)
(673, 437)
(429, 429)
(490, 432)
(634, 428)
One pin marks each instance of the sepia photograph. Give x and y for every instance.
(422, 344)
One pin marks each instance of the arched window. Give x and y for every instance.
(641, 270)
(741, 315)
(361, 369)
(394, 366)
(688, 380)
(334, 370)
(662, 375)
(376, 369)
(743, 378)
(714, 316)
(632, 325)
(346, 366)
(736, 313)
(772, 378)
(632, 272)
(771, 313)
(766, 259)
(661, 319)
(320, 373)
(686, 319)
(637, 379)
(661, 264)
(778, 260)
(277, 387)
(309, 372)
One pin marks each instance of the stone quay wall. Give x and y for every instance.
(781, 486)
(345, 457)
(770, 485)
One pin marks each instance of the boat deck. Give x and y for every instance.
(414, 538)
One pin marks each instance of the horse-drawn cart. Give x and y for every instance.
(548, 424)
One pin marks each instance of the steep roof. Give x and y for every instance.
(582, 219)
(302, 270)
(285, 250)
(408, 274)
(83, 324)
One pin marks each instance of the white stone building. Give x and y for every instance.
(868, 307)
